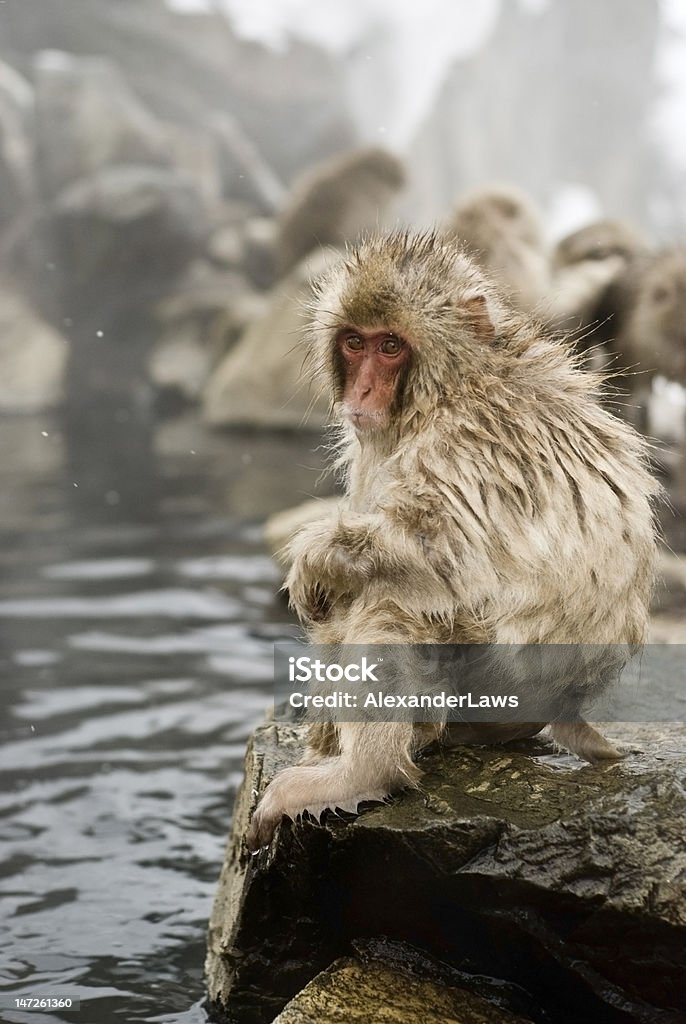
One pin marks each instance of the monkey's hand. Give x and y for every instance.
(330, 561)
(287, 796)
(311, 789)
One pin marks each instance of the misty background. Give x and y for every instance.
(570, 79)
(149, 149)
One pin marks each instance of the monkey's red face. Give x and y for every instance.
(373, 368)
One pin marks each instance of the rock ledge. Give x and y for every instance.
(565, 882)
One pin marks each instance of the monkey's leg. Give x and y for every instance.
(375, 760)
(322, 741)
(583, 740)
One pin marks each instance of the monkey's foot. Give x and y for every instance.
(584, 741)
(307, 788)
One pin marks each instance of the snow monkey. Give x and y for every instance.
(337, 200)
(599, 241)
(653, 330)
(501, 229)
(489, 498)
(584, 296)
(639, 310)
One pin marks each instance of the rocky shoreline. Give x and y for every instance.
(518, 871)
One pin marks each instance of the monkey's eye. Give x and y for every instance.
(354, 343)
(660, 294)
(390, 346)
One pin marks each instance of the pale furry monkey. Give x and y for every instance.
(599, 241)
(648, 308)
(335, 201)
(653, 334)
(502, 230)
(489, 497)
(586, 265)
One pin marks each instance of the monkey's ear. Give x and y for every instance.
(478, 314)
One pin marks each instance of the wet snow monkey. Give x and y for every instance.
(489, 498)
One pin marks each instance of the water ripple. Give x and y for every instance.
(171, 603)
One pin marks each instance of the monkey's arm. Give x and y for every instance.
(333, 559)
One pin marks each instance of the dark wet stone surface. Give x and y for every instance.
(518, 864)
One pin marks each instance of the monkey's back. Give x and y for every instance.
(542, 499)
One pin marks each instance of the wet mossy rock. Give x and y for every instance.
(565, 882)
(350, 992)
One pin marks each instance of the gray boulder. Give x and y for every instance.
(87, 118)
(114, 245)
(33, 358)
(245, 173)
(16, 145)
(259, 251)
(124, 234)
(248, 244)
(197, 325)
(184, 67)
(262, 382)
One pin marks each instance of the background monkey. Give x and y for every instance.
(641, 317)
(649, 300)
(597, 242)
(652, 297)
(489, 497)
(501, 229)
(336, 201)
(586, 266)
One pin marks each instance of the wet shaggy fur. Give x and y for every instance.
(501, 503)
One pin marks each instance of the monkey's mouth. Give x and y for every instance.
(363, 419)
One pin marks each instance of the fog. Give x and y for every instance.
(179, 132)
(407, 46)
(421, 41)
